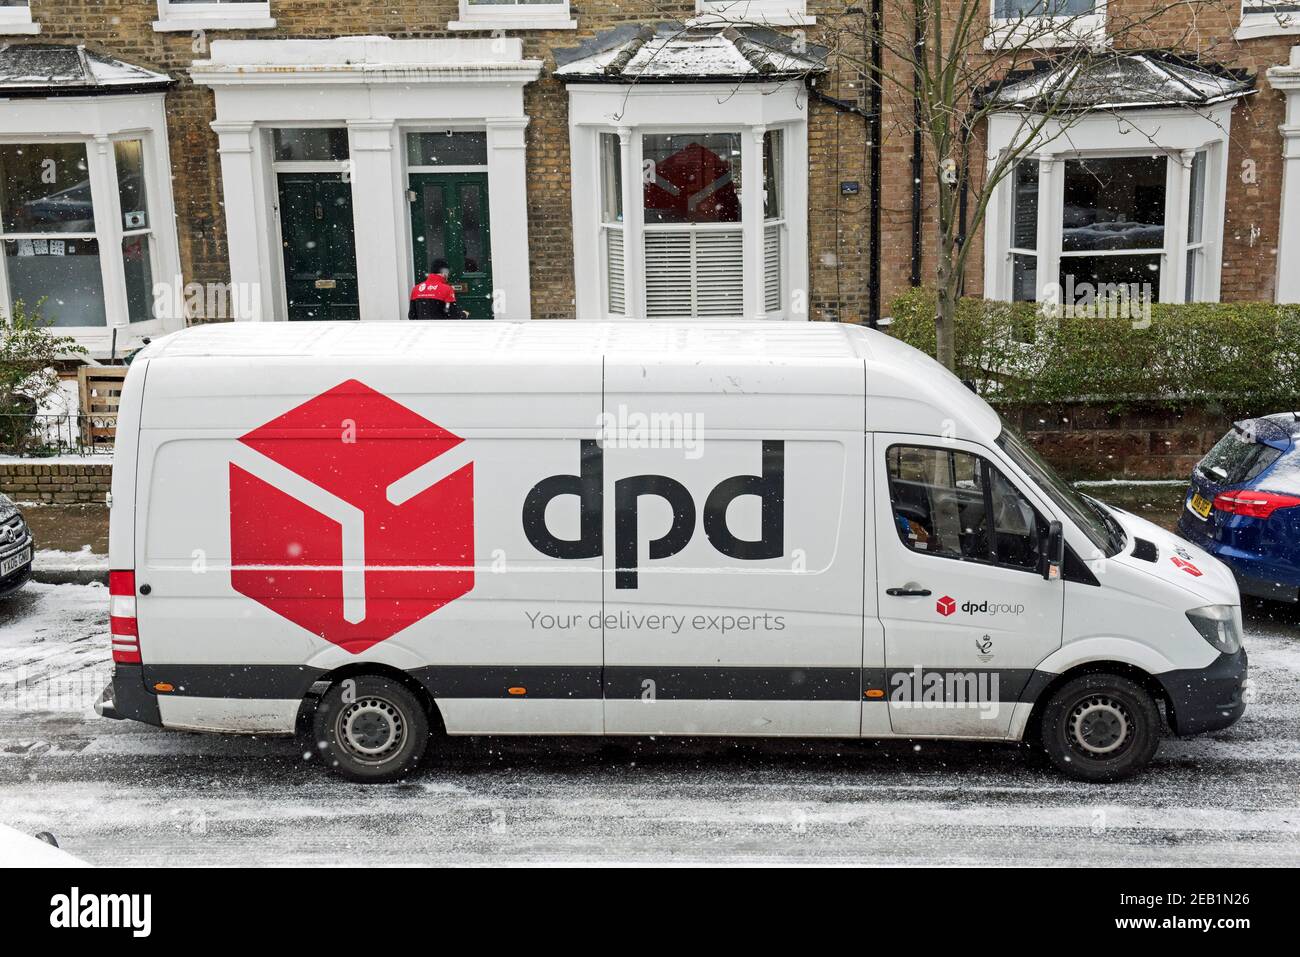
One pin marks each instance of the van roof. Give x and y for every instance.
(755, 340)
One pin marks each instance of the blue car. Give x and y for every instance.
(1244, 505)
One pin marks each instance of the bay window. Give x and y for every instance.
(1128, 199)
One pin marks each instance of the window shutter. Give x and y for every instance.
(694, 273)
(614, 270)
(772, 298)
(719, 273)
(669, 276)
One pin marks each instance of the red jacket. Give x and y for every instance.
(434, 299)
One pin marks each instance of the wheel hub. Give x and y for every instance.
(372, 729)
(1099, 725)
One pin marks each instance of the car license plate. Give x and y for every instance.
(15, 562)
(1199, 506)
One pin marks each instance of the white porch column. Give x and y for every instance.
(1050, 197)
(1287, 79)
(751, 216)
(250, 255)
(378, 211)
(633, 246)
(508, 215)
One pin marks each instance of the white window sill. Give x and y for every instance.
(716, 19)
(514, 23)
(19, 29)
(1267, 25)
(1034, 35)
(190, 24)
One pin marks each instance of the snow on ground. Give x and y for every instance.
(55, 559)
(116, 792)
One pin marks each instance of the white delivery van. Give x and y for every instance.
(378, 533)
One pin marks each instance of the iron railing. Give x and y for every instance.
(42, 435)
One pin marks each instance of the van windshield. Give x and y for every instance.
(1091, 517)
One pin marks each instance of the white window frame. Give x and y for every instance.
(1177, 133)
(775, 13)
(630, 112)
(514, 16)
(1257, 20)
(136, 117)
(1046, 33)
(187, 17)
(16, 21)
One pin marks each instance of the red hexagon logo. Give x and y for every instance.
(945, 606)
(350, 530)
(1186, 566)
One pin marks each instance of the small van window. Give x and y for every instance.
(943, 500)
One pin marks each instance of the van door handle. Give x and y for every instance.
(908, 592)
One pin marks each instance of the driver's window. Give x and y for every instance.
(942, 499)
(938, 501)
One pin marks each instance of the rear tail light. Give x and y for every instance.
(1254, 504)
(122, 626)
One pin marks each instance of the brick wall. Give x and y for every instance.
(838, 225)
(1090, 442)
(61, 484)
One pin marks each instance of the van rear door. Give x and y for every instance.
(966, 612)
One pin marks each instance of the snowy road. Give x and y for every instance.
(122, 793)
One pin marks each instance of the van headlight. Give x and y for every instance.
(1220, 625)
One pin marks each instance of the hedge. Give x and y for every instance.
(1243, 357)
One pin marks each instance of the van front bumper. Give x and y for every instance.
(127, 697)
(1209, 698)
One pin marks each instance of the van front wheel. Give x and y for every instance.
(370, 729)
(1100, 728)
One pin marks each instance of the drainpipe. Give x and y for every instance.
(918, 43)
(874, 133)
(873, 119)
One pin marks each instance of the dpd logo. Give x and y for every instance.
(352, 528)
(945, 606)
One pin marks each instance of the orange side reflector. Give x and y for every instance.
(518, 691)
(163, 686)
(875, 693)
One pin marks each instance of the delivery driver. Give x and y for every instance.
(434, 298)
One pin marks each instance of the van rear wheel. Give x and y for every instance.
(371, 729)
(1100, 727)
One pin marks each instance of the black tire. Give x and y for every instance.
(1100, 727)
(370, 729)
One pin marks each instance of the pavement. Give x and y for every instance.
(117, 792)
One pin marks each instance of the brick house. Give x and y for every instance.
(163, 161)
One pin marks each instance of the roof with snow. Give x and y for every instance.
(671, 53)
(54, 69)
(1121, 80)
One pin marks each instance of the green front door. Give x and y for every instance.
(320, 255)
(449, 220)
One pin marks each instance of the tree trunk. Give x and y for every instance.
(945, 313)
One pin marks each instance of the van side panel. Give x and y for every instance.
(737, 607)
(306, 516)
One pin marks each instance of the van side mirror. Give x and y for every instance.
(1053, 555)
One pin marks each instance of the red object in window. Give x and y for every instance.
(693, 185)
(1254, 504)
